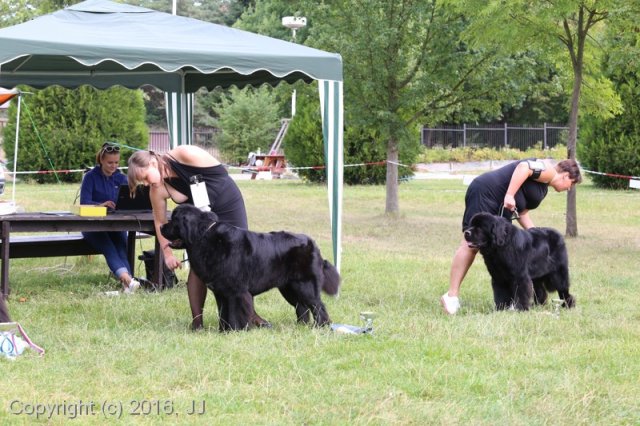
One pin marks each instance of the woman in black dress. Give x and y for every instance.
(169, 177)
(519, 187)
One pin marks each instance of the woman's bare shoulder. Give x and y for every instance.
(193, 156)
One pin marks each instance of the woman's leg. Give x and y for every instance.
(112, 246)
(462, 261)
(197, 292)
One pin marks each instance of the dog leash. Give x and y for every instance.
(514, 213)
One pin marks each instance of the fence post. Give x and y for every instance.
(544, 139)
(506, 135)
(464, 135)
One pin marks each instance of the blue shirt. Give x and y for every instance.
(97, 188)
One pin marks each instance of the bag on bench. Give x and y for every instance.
(169, 277)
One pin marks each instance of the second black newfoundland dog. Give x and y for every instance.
(522, 263)
(232, 261)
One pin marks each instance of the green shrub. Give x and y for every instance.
(304, 147)
(613, 145)
(461, 155)
(248, 120)
(618, 155)
(62, 129)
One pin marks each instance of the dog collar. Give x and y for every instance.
(210, 226)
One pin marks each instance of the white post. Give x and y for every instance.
(294, 22)
(293, 103)
(15, 152)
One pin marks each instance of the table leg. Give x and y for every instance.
(158, 263)
(6, 230)
(131, 251)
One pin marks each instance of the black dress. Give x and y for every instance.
(224, 195)
(486, 193)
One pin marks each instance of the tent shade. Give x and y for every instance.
(101, 43)
(97, 42)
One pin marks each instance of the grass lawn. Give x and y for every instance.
(134, 357)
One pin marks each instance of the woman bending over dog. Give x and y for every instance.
(513, 190)
(169, 176)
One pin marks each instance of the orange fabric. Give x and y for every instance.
(7, 96)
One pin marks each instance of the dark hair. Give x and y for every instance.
(571, 167)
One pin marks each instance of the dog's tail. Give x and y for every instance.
(331, 283)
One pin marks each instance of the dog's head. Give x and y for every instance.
(487, 230)
(187, 225)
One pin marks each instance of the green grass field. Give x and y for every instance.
(134, 358)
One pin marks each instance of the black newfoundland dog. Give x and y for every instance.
(232, 261)
(522, 263)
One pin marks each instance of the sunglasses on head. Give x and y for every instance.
(107, 147)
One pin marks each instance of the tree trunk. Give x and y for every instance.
(571, 216)
(392, 206)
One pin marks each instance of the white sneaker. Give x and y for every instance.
(133, 286)
(450, 304)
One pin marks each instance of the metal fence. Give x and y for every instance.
(205, 137)
(495, 136)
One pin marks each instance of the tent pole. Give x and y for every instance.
(15, 152)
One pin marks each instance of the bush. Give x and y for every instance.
(248, 120)
(304, 147)
(461, 155)
(62, 129)
(618, 155)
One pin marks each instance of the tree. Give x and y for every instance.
(405, 65)
(248, 119)
(612, 145)
(62, 129)
(223, 12)
(16, 11)
(567, 33)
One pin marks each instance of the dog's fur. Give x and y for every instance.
(233, 261)
(522, 263)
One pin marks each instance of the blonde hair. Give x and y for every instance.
(107, 148)
(140, 160)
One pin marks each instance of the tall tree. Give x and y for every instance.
(405, 65)
(567, 32)
(16, 11)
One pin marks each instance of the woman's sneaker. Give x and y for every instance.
(450, 304)
(134, 284)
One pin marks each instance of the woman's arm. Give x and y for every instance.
(520, 174)
(88, 192)
(158, 196)
(524, 220)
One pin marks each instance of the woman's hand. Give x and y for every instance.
(171, 261)
(109, 204)
(509, 202)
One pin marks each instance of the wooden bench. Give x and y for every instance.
(60, 245)
(54, 245)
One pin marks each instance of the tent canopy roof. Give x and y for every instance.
(102, 44)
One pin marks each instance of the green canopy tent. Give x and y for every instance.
(102, 44)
